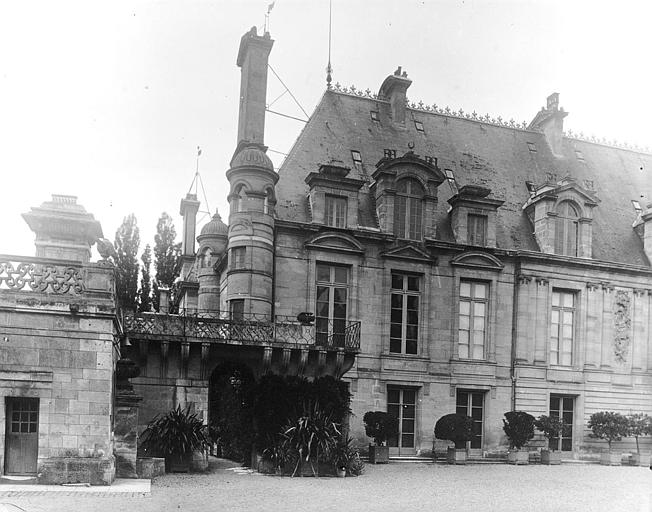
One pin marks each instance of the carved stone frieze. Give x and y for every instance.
(622, 325)
(37, 277)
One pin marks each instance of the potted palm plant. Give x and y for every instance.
(610, 426)
(343, 454)
(552, 428)
(379, 426)
(311, 437)
(639, 425)
(519, 428)
(176, 436)
(457, 428)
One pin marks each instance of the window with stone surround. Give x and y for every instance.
(236, 309)
(331, 304)
(562, 327)
(335, 215)
(474, 305)
(404, 315)
(408, 209)
(238, 257)
(566, 229)
(476, 229)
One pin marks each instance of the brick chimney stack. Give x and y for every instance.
(550, 121)
(394, 90)
(252, 59)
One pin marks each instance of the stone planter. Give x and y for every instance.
(150, 467)
(642, 459)
(378, 454)
(341, 472)
(518, 457)
(611, 459)
(550, 458)
(456, 456)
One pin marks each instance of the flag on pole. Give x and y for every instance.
(198, 151)
(270, 6)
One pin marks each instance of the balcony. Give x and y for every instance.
(218, 327)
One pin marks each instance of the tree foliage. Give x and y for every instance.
(639, 424)
(127, 241)
(608, 425)
(145, 292)
(167, 256)
(455, 427)
(519, 428)
(380, 426)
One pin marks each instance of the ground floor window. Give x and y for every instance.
(562, 406)
(402, 403)
(471, 403)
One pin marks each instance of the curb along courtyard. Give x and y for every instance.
(393, 487)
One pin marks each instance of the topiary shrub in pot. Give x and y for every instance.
(639, 425)
(379, 426)
(610, 426)
(457, 428)
(176, 436)
(552, 428)
(519, 428)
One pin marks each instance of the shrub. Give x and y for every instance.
(639, 425)
(455, 427)
(551, 426)
(345, 455)
(519, 428)
(176, 434)
(608, 425)
(380, 426)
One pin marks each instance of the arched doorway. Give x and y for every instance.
(230, 410)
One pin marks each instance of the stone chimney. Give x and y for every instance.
(64, 229)
(394, 90)
(252, 59)
(188, 210)
(550, 121)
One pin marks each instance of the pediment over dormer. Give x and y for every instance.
(478, 260)
(409, 252)
(337, 242)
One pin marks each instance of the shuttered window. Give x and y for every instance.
(566, 229)
(477, 229)
(408, 209)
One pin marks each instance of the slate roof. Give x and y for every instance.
(478, 153)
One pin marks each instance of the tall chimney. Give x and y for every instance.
(550, 121)
(394, 90)
(188, 210)
(252, 59)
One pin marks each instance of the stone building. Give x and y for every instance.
(57, 325)
(437, 261)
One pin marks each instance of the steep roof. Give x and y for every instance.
(479, 153)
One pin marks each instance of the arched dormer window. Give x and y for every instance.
(566, 229)
(408, 212)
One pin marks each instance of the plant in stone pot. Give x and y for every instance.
(343, 455)
(639, 425)
(552, 428)
(457, 428)
(175, 436)
(519, 429)
(311, 437)
(379, 426)
(610, 426)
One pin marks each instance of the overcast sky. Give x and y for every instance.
(109, 100)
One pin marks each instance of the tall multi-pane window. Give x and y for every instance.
(476, 229)
(562, 327)
(332, 296)
(336, 211)
(566, 229)
(404, 316)
(474, 297)
(238, 257)
(561, 406)
(408, 209)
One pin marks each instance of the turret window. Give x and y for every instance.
(408, 209)
(238, 257)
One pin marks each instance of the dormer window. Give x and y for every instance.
(389, 153)
(637, 206)
(566, 229)
(356, 156)
(419, 126)
(477, 229)
(374, 115)
(335, 211)
(531, 147)
(408, 210)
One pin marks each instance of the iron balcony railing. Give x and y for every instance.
(245, 328)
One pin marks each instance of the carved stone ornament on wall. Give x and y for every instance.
(39, 277)
(622, 324)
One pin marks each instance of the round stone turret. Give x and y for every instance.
(212, 244)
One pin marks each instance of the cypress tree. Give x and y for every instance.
(127, 241)
(167, 257)
(145, 293)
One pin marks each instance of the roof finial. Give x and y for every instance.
(329, 68)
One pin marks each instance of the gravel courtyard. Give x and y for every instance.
(394, 487)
